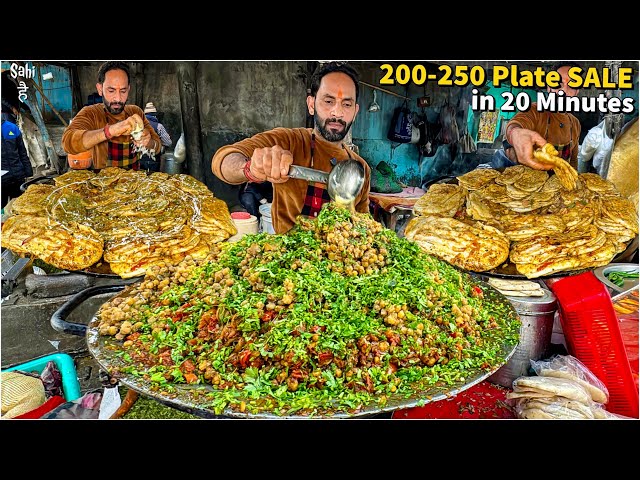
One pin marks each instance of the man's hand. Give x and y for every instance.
(143, 140)
(271, 164)
(126, 126)
(524, 143)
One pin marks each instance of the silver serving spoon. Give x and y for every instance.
(344, 182)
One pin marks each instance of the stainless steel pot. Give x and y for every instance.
(169, 164)
(536, 315)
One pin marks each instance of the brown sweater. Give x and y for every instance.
(288, 197)
(93, 117)
(547, 124)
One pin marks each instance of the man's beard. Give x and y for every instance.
(114, 107)
(327, 133)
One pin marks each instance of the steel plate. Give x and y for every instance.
(193, 399)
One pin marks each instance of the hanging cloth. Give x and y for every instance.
(449, 132)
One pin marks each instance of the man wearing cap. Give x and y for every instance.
(113, 131)
(146, 162)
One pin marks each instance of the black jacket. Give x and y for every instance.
(14, 154)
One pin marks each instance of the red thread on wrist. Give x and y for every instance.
(107, 133)
(247, 173)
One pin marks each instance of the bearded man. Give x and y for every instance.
(115, 133)
(267, 156)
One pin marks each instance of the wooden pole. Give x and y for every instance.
(189, 106)
(137, 71)
(32, 101)
(311, 68)
(75, 90)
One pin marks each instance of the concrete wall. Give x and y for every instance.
(239, 99)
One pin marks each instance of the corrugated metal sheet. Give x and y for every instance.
(57, 90)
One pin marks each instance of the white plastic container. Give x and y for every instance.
(245, 223)
(265, 218)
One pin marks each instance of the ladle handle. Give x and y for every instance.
(309, 174)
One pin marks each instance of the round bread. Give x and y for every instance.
(597, 395)
(556, 386)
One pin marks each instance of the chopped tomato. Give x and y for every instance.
(190, 378)
(245, 356)
(476, 291)
(325, 358)
(187, 366)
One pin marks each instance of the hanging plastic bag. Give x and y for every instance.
(180, 151)
(591, 143)
(110, 403)
(429, 146)
(401, 126)
(596, 147)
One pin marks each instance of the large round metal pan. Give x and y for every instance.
(192, 399)
(43, 179)
(102, 271)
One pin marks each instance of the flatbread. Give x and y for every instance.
(523, 226)
(527, 393)
(556, 386)
(478, 178)
(442, 200)
(531, 180)
(596, 183)
(555, 405)
(566, 173)
(561, 410)
(517, 288)
(597, 395)
(513, 284)
(522, 293)
(510, 175)
(475, 247)
(535, 413)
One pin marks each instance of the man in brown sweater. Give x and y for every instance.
(267, 156)
(106, 129)
(532, 129)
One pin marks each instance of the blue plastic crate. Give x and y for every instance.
(70, 384)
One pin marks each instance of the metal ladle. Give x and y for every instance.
(344, 182)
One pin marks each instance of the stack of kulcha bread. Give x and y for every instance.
(541, 223)
(563, 388)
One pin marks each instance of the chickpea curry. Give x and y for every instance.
(336, 315)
